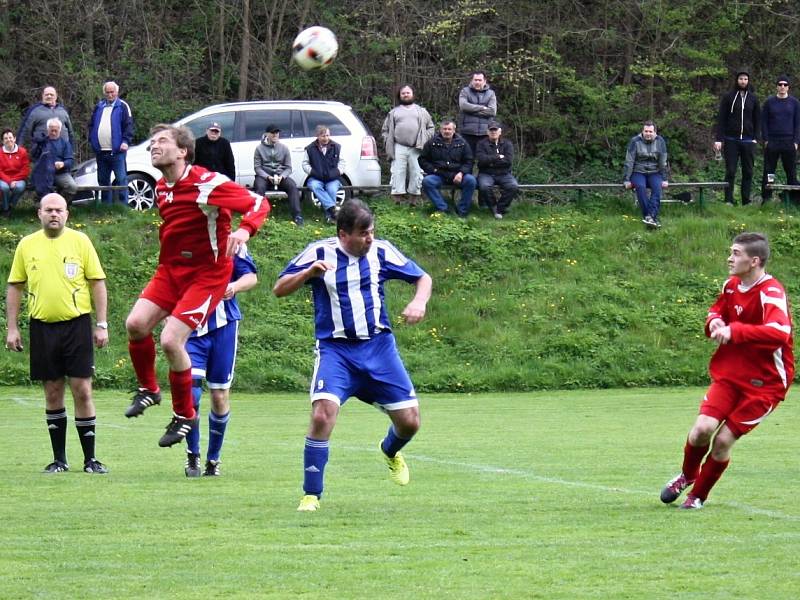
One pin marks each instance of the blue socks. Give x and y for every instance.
(216, 433)
(193, 437)
(315, 457)
(392, 443)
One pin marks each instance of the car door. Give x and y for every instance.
(250, 127)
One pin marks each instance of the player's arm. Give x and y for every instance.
(13, 302)
(254, 209)
(291, 282)
(414, 312)
(776, 328)
(246, 282)
(100, 302)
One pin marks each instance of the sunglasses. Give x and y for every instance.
(783, 85)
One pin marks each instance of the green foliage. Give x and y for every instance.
(558, 296)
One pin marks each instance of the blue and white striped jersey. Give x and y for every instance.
(228, 311)
(349, 301)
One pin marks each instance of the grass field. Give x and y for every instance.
(546, 495)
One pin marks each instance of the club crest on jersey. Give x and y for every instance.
(739, 309)
(70, 270)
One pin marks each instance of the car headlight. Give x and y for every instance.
(86, 168)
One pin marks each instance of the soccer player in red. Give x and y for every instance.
(194, 269)
(751, 370)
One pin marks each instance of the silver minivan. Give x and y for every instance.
(243, 124)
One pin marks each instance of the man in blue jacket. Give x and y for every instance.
(54, 160)
(110, 134)
(324, 165)
(780, 126)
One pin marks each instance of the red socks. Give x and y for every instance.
(143, 358)
(180, 383)
(709, 475)
(692, 457)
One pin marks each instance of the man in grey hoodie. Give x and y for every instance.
(273, 167)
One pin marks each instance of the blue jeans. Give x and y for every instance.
(432, 185)
(641, 181)
(326, 192)
(11, 193)
(108, 162)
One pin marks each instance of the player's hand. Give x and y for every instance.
(100, 337)
(318, 268)
(721, 335)
(715, 324)
(229, 292)
(414, 312)
(14, 341)
(235, 241)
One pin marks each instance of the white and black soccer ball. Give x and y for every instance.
(315, 48)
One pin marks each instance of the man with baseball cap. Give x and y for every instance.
(780, 128)
(273, 168)
(494, 156)
(213, 152)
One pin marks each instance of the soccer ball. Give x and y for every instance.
(315, 48)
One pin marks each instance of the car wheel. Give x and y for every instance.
(341, 196)
(141, 192)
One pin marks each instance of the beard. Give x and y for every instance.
(407, 101)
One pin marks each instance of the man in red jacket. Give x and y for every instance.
(751, 370)
(15, 166)
(194, 269)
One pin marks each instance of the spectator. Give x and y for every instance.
(447, 159)
(405, 130)
(63, 276)
(214, 152)
(780, 127)
(324, 164)
(477, 105)
(738, 129)
(494, 156)
(33, 128)
(273, 167)
(54, 160)
(110, 134)
(14, 170)
(646, 167)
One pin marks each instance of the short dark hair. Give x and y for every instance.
(649, 123)
(755, 244)
(401, 88)
(447, 121)
(354, 215)
(5, 131)
(471, 75)
(183, 136)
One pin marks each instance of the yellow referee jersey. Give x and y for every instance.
(55, 271)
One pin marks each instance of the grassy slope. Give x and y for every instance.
(544, 495)
(557, 296)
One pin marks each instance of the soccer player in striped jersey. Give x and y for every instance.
(751, 370)
(212, 348)
(356, 353)
(194, 268)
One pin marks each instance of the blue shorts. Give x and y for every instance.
(214, 355)
(370, 370)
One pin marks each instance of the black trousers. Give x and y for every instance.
(733, 151)
(287, 185)
(787, 153)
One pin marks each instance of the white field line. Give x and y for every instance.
(527, 474)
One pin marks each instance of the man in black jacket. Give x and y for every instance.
(213, 152)
(494, 156)
(447, 159)
(738, 129)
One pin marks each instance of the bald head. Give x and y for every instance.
(53, 214)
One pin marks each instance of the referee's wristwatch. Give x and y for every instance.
(102, 324)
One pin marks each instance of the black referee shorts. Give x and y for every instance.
(61, 349)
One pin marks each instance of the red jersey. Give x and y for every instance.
(14, 166)
(196, 211)
(759, 353)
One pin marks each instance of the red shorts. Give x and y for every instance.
(189, 295)
(742, 408)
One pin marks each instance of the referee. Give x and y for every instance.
(61, 270)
